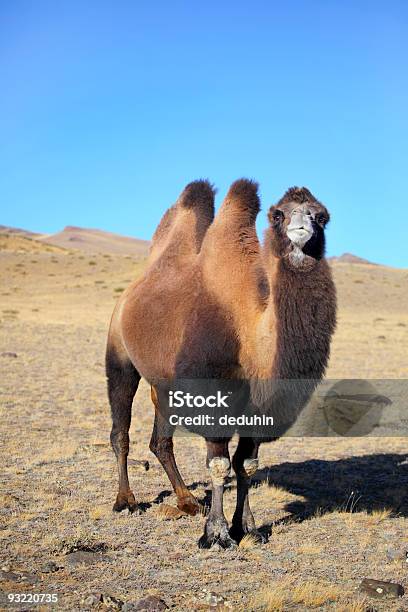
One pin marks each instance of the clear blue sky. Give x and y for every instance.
(107, 109)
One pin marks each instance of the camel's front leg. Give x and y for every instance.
(245, 464)
(216, 527)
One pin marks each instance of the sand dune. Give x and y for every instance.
(350, 258)
(20, 242)
(6, 229)
(97, 241)
(84, 239)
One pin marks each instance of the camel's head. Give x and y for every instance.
(297, 225)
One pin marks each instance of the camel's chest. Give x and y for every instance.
(302, 339)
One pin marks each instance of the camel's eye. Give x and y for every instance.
(321, 219)
(277, 215)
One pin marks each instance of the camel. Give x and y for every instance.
(214, 304)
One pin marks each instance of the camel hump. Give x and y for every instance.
(164, 226)
(183, 226)
(243, 196)
(198, 195)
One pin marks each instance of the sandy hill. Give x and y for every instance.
(350, 258)
(82, 239)
(17, 231)
(22, 243)
(96, 241)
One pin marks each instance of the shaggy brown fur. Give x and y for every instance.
(229, 309)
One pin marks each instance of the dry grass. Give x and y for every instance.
(249, 541)
(168, 513)
(271, 494)
(359, 605)
(314, 594)
(55, 453)
(282, 595)
(273, 598)
(359, 519)
(377, 516)
(125, 570)
(11, 502)
(100, 512)
(310, 549)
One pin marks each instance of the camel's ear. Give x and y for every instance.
(243, 195)
(198, 194)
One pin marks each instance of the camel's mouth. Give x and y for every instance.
(300, 228)
(299, 235)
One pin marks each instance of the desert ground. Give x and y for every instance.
(336, 509)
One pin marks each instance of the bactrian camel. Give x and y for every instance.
(214, 303)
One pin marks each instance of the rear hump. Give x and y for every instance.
(200, 196)
(183, 226)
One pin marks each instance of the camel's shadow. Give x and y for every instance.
(355, 484)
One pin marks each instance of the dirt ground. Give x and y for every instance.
(336, 508)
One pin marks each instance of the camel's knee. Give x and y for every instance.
(245, 468)
(219, 468)
(120, 442)
(250, 467)
(161, 447)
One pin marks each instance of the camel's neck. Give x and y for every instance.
(305, 307)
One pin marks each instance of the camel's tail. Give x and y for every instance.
(183, 226)
(242, 199)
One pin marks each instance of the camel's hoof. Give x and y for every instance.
(189, 505)
(257, 536)
(126, 502)
(223, 542)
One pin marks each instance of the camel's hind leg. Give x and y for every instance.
(123, 380)
(161, 444)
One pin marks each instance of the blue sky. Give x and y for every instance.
(107, 109)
